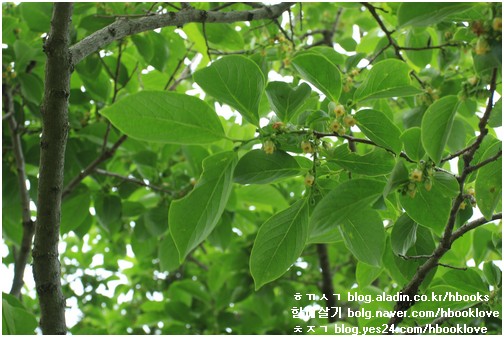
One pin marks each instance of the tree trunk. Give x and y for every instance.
(46, 265)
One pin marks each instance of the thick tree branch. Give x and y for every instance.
(28, 226)
(449, 237)
(125, 26)
(54, 111)
(472, 225)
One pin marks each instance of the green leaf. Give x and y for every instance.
(468, 280)
(8, 326)
(388, 78)
(258, 167)
(492, 273)
(482, 239)
(403, 235)
(74, 211)
(398, 177)
(428, 208)
(108, 210)
(279, 242)
(375, 163)
(193, 217)
(488, 184)
(223, 35)
(412, 140)
(167, 117)
(237, 81)
(285, 101)
(364, 236)
(436, 126)
(37, 15)
(421, 14)
(418, 40)
(156, 220)
(379, 128)
(447, 184)
(32, 87)
(349, 197)
(168, 254)
(495, 119)
(263, 197)
(366, 274)
(321, 72)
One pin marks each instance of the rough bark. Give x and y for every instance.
(28, 226)
(46, 266)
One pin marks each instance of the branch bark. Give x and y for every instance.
(54, 110)
(28, 226)
(327, 285)
(126, 26)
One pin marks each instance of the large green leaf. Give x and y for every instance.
(108, 211)
(279, 243)
(412, 140)
(321, 72)
(237, 81)
(167, 117)
(488, 185)
(37, 15)
(403, 235)
(193, 217)
(285, 101)
(375, 163)
(74, 211)
(223, 35)
(349, 197)
(258, 167)
(364, 236)
(32, 87)
(436, 126)
(388, 78)
(424, 14)
(428, 208)
(379, 128)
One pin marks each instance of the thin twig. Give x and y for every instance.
(451, 267)
(179, 64)
(133, 180)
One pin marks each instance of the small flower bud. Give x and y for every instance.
(416, 175)
(335, 126)
(339, 110)
(482, 46)
(269, 147)
(306, 146)
(349, 121)
(309, 180)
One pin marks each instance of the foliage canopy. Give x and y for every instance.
(236, 156)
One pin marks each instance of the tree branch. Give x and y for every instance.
(28, 226)
(54, 111)
(388, 33)
(132, 180)
(449, 237)
(327, 284)
(91, 167)
(125, 26)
